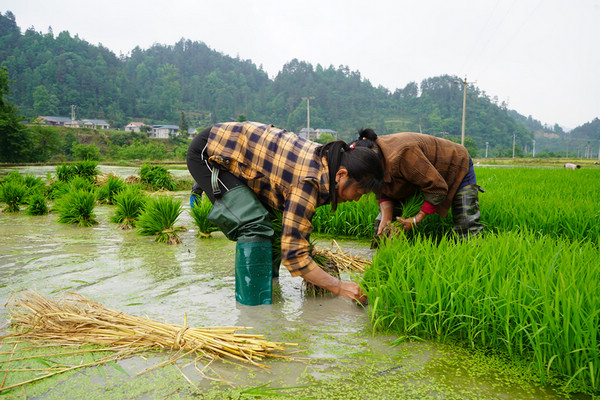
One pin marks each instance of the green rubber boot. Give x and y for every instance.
(253, 271)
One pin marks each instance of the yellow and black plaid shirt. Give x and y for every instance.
(285, 173)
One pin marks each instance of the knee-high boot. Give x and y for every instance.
(465, 212)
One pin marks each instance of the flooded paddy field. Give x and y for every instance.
(337, 356)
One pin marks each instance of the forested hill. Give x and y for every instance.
(49, 73)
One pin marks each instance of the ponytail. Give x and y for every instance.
(363, 167)
(366, 138)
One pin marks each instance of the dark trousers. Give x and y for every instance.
(201, 170)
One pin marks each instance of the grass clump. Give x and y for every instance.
(157, 177)
(129, 203)
(65, 172)
(199, 212)
(13, 194)
(86, 169)
(77, 207)
(106, 192)
(37, 205)
(159, 217)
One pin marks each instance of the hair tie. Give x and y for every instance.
(352, 146)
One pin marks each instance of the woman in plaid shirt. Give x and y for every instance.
(290, 174)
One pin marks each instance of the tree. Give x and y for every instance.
(85, 152)
(44, 103)
(15, 139)
(183, 125)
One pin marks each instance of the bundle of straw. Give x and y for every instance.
(333, 261)
(73, 319)
(344, 261)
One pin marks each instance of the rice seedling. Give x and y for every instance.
(157, 177)
(80, 183)
(532, 296)
(65, 172)
(13, 177)
(159, 217)
(130, 203)
(13, 194)
(37, 205)
(56, 189)
(76, 207)
(554, 202)
(74, 320)
(33, 183)
(87, 169)
(107, 191)
(352, 219)
(199, 212)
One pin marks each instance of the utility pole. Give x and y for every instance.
(486, 148)
(514, 145)
(533, 155)
(308, 115)
(73, 106)
(464, 82)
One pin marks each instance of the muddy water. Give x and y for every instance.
(336, 352)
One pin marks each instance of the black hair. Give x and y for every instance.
(366, 138)
(363, 167)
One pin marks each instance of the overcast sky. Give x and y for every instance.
(542, 57)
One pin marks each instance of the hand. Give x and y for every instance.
(352, 291)
(411, 222)
(382, 224)
(322, 279)
(387, 213)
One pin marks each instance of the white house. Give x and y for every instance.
(310, 136)
(135, 126)
(164, 131)
(95, 124)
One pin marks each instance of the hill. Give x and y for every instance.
(49, 73)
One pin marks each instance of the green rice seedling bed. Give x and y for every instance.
(555, 202)
(531, 296)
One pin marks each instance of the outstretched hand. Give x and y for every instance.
(352, 291)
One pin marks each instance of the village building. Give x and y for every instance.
(135, 126)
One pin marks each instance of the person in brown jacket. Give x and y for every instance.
(442, 170)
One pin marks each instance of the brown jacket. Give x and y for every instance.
(415, 161)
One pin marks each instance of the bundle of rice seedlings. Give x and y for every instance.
(410, 208)
(159, 217)
(331, 261)
(13, 194)
(66, 172)
(108, 189)
(37, 205)
(157, 177)
(77, 207)
(87, 169)
(199, 212)
(73, 319)
(130, 203)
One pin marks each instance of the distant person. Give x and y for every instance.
(440, 169)
(572, 166)
(261, 166)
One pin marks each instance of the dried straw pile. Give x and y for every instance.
(74, 319)
(344, 261)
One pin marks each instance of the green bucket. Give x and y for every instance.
(253, 271)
